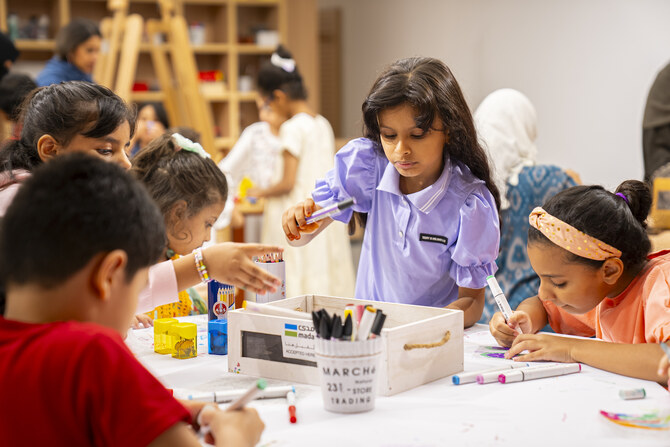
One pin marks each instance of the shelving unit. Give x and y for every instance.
(229, 46)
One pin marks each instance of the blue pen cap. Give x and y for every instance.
(218, 337)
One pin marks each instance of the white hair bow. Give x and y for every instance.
(288, 65)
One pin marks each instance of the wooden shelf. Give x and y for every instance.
(250, 48)
(246, 96)
(35, 45)
(219, 97)
(224, 142)
(147, 96)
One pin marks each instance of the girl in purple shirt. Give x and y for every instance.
(424, 185)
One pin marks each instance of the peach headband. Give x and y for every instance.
(570, 238)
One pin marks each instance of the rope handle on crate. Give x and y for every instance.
(410, 346)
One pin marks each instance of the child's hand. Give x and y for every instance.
(142, 320)
(293, 219)
(231, 428)
(231, 263)
(505, 333)
(542, 347)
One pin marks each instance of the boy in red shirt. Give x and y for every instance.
(75, 247)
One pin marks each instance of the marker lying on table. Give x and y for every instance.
(248, 396)
(274, 310)
(330, 211)
(271, 392)
(500, 299)
(471, 377)
(290, 398)
(539, 372)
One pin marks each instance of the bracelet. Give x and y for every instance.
(200, 265)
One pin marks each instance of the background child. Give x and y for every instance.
(68, 313)
(589, 248)
(432, 234)
(506, 125)
(190, 191)
(308, 145)
(152, 122)
(14, 89)
(77, 50)
(85, 117)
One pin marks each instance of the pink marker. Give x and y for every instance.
(539, 372)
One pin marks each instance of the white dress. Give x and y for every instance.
(324, 266)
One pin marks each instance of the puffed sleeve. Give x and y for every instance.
(657, 310)
(354, 176)
(476, 247)
(162, 287)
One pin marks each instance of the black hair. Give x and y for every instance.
(605, 216)
(187, 132)
(73, 34)
(272, 77)
(430, 88)
(70, 210)
(171, 173)
(14, 89)
(161, 114)
(64, 111)
(8, 52)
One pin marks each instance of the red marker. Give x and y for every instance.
(290, 398)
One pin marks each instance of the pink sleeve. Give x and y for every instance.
(162, 287)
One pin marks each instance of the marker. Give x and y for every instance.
(290, 398)
(248, 396)
(366, 323)
(271, 392)
(378, 324)
(500, 299)
(539, 372)
(471, 377)
(637, 393)
(330, 210)
(336, 329)
(348, 329)
(275, 310)
(492, 376)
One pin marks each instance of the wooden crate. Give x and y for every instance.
(283, 348)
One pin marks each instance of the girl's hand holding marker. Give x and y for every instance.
(305, 217)
(506, 325)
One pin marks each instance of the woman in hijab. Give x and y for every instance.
(8, 54)
(507, 127)
(656, 127)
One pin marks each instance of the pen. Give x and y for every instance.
(290, 398)
(270, 392)
(248, 396)
(330, 210)
(500, 299)
(539, 372)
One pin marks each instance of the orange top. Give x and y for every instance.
(639, 314)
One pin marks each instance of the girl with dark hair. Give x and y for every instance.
(84, 117)
(152, 122)
(8, 54)
(77, 50)
(190, 190)
(307, 145)
(591, 251)
(423, 180)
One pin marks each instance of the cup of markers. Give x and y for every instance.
(347, 355)
(273, 263)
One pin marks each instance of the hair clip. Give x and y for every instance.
(189, 145)
(288, 65)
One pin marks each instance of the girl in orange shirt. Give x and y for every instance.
(591, 251)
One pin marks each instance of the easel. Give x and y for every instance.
(184, 104)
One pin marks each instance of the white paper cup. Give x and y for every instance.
(348, 371)
(277, 269)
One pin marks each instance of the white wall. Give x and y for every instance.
(586, 65)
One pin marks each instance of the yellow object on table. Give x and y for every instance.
(184, 340)
(162, 339)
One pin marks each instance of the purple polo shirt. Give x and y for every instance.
(418, 248)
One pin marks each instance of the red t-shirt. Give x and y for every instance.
(77, 384)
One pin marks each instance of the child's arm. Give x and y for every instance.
(229, 263)
(287, 182)
(634, 360)
(471, 302)
(296, 228)
(528, 317)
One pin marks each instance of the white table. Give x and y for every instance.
(561, 411)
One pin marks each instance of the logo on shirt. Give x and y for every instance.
(433, 238)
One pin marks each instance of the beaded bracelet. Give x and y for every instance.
(200, 265)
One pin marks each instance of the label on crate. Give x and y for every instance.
(298, 341)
